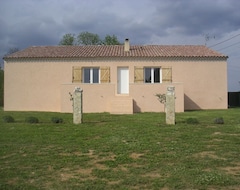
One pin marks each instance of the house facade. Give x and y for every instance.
(119, 79)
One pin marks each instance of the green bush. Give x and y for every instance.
(32, 120)
(192, 121)
(57, 120)
(219, 120)
(8, 119)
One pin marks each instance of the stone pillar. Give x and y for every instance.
(170, 105)
(77, 105)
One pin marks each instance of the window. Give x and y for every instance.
(152, 75)
(91, 75)
(158, 74)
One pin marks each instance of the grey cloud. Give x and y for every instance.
(136, 19)
(197, 17)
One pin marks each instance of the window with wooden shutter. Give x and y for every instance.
(77, 75)
(105, 74)
(152, 74)
(166, 74)
(138, 75)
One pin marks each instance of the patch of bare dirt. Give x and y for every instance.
(217, 140)
(13, 181)
(100, 166)
(209, 154)
(233, 134)
(84, 171)
(217, 133)
(152, 175)
(50, 168)
(135, 155)
(96, 162)
(224, 188)
(90, 152)
(114, 182)
(233, 170)
(211, 146)
(8, 155)
(123, 168)
(65, 176)
(165, 188)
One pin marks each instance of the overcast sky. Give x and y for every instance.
(215, 23)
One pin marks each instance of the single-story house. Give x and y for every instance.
(115, 78)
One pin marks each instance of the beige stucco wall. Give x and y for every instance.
(205, 83)
(98, 98)
(38, 85)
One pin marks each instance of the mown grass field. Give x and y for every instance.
(121, 151)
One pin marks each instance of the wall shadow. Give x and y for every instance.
(136, 108)
(189, 104)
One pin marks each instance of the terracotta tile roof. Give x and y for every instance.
(116, 51)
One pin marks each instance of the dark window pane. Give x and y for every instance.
(95, 75)
(156, 75)
(147, 75)
(86, 75)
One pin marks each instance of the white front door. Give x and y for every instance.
(123, 80)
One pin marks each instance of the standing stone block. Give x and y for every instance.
(170, 105)
(77, 105)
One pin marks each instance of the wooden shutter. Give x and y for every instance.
(138, 75)
(166, 74)
(77, 74)
(105, 74)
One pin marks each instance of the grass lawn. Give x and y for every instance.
(121, 151)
